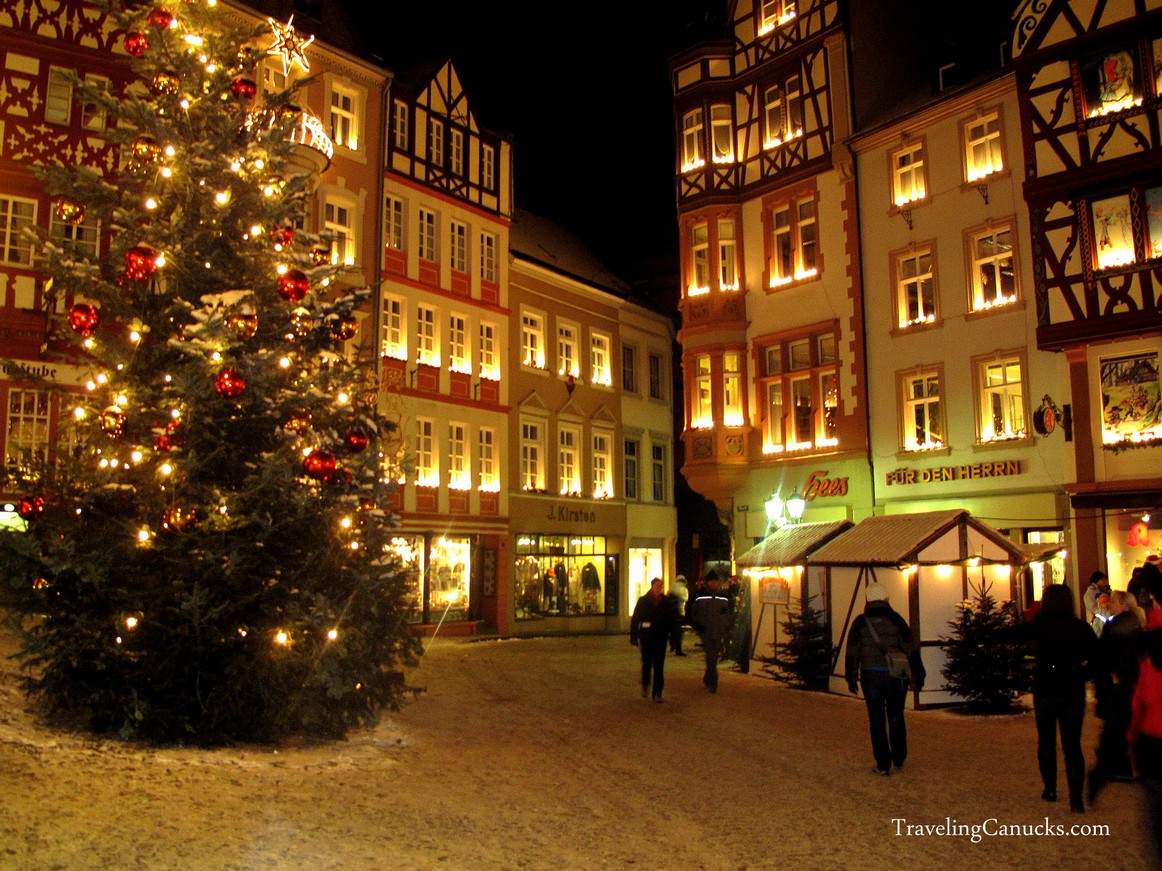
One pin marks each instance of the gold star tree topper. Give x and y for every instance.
(289, 45)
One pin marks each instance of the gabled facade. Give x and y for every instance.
(1089, 87)
(772, 315)
(443, 344)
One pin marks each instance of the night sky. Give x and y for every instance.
(585, 95)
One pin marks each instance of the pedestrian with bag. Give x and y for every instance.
(653, 628)
(883, 660)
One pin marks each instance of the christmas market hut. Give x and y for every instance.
(929, 562)
(778, 579)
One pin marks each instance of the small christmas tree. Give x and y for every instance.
(206, 554)
(804, 659)
(981, 667)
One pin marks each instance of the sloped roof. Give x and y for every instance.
(791, 545)
(539, 240)
(895, 539)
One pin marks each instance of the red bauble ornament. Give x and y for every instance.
(294, 285)
(30, 507)
(160, 18)
(140, 263)
(282, 236)
(171, 438)
(84, 318)
(320, 465)
(357, 439)
(344, 327)
(230, 383)
(243, 89)
(136, 44)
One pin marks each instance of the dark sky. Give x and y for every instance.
(583, 90)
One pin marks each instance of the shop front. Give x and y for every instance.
(567, 566)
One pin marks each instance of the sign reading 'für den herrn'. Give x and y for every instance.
(954, 473)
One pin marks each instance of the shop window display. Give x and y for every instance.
(559, 576)
(444, 570)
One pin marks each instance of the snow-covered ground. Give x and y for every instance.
(540, 754)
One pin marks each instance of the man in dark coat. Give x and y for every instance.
(711, 616)
(884, 695)
(654, 626)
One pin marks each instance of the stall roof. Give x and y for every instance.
(895, 539)
(791, 545)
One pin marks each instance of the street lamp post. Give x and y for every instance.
(782, 512)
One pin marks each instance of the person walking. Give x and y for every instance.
(1065, 648)
(875, 633)
(710, 615)
(1114, 680)
(681, 594)
(652, 629)
(1145, 731)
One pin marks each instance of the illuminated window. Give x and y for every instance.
(657, 376)
(394, 210)
(459, 478)
(427, 343)
(27, 439)
(458, 359)
(731, 390)
(703, 416)
(532, 452)
(721, 133)
(400, 125)
(794, 253)
(488, 167)
(602, 463)
(486, 448)
(915, 288)
(427, 460)
(16, 216)
(1113, 231)
(58, 102)
(994, 281)
(1111, 81)
(692, 156)
(394, 338)
(794, 108)
(458, 152)
(339, 223)
(908, 183)
(344, 116)
(568, 461)
(436, 142)
(700, 257)
(800, 384)
(923, 424)
(1002, 399)
(599, 364)
(982, 141)
(632, 455)
(727, 256)
(773, 13)
(567, 361)
(458, 246)
(532, 340)
(94, 116)
(488, 257)
(773, 116)
(660, 467)
(629, 368)
(429, 249)
(487, 349)
(81, 239)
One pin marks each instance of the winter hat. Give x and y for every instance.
(712, 575)
(876, 593)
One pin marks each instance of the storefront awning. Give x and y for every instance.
(898, 540)
(791, 545)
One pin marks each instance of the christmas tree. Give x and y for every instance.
(804, 659)
(206, 549)
(981, 667)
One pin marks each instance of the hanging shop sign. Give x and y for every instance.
(1004, 469)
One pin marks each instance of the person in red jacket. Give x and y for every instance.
(1145, 732)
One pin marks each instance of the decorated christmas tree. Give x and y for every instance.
(981, 666)
(206, 557)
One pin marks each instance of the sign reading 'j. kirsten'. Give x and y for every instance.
(954, 473)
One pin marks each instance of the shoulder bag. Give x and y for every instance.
(898, 665)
